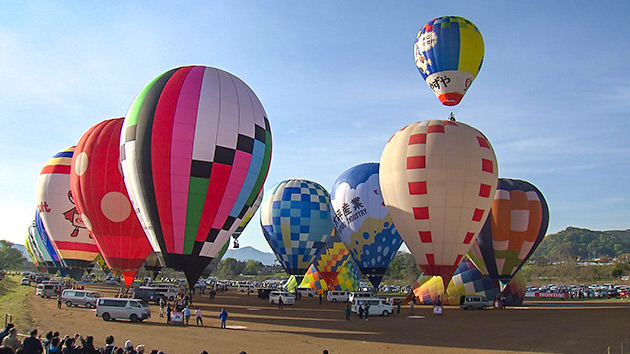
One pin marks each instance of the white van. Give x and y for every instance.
(378, 306)
(359, 295)
(111, 308)
(79, 297)
(287, 298)
(46, 290)
(307, 291)
(338, 296)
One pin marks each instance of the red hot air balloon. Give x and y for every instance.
(101, 197)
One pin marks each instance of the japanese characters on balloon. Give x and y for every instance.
(438, 178)
(195, 152)
(363, 222)
(448, 52)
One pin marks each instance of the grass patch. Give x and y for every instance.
(13, 300)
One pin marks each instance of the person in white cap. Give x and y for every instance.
(129, 347)
(140, 349)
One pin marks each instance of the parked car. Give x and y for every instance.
(358, 295)
(307, 291)
(377, 306)
(147, 294)
(46, 290)
(338, 296)
(112, 308)
(25, 281)
(263, 293)
(79, 297)
(287, 298)
(474, 302)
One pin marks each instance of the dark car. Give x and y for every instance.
(264, 293)
(147, 294)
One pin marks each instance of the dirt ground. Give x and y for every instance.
(255, 326)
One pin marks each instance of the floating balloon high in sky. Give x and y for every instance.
(449, 52)
(438, 179)
(363, 222)
(516, 226)
(195, 151)
(101, 197)
(296, 222)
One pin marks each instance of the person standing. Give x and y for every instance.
(348, 312)
(411, 303)
(12, 340)
(198, 316)
(367, 311)
(32, 344)
(169, 310)
(280, 302)
(398, 307)
(162, 306)
(186, 312)
(360, 312)
(320, 299)
(109, 347)
(58, 300)
(223, 317)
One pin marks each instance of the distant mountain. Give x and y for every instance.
(23, 250)
(584, 243)
(246, 253)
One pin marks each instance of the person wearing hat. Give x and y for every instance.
(140, 349)
(129, 347)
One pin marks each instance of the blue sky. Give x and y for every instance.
(337, 79)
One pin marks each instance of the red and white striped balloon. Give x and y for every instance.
(438, 179)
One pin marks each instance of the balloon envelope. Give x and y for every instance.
(363, 222)
(60, 216)
(101, 197)
(329, 262)
(449, 52)
(437, 179)
(295, 220)
(195, 151)
(46, 245)
(516, 226)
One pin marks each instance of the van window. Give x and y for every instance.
(112, 303)
(69, 293)
(134, 304)
(79, 293)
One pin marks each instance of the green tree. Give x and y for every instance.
(252, 267)
(10, 258)
(228, 267)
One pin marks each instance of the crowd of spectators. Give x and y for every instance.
(53, 343)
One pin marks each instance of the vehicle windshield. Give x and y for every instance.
(95, 294)
(144, 304)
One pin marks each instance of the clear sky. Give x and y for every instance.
(337, 79)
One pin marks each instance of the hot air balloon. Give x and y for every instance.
(153, 265)
(347, 279)
(216, 260)
(295, 220)
(516, 226)
(331, 260)
(61, 218)
(195, 151)
(46, 246)
(448, 52)
(101, 197)
(438, 178)
(29, 250)
(248, 216)
(468, 280)
(363, 222)
(38, 249)
(314, 280)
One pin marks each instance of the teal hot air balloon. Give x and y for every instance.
(296, 222)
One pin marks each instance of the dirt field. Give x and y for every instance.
(255, 326)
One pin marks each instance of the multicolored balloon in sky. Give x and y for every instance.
(516, 226)
(363, 222)
(438, 179)
(101, 197)
(46, 245)
(331, 260)
(61, 217)
(195, 151)
(296, 222)
(449, 52)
